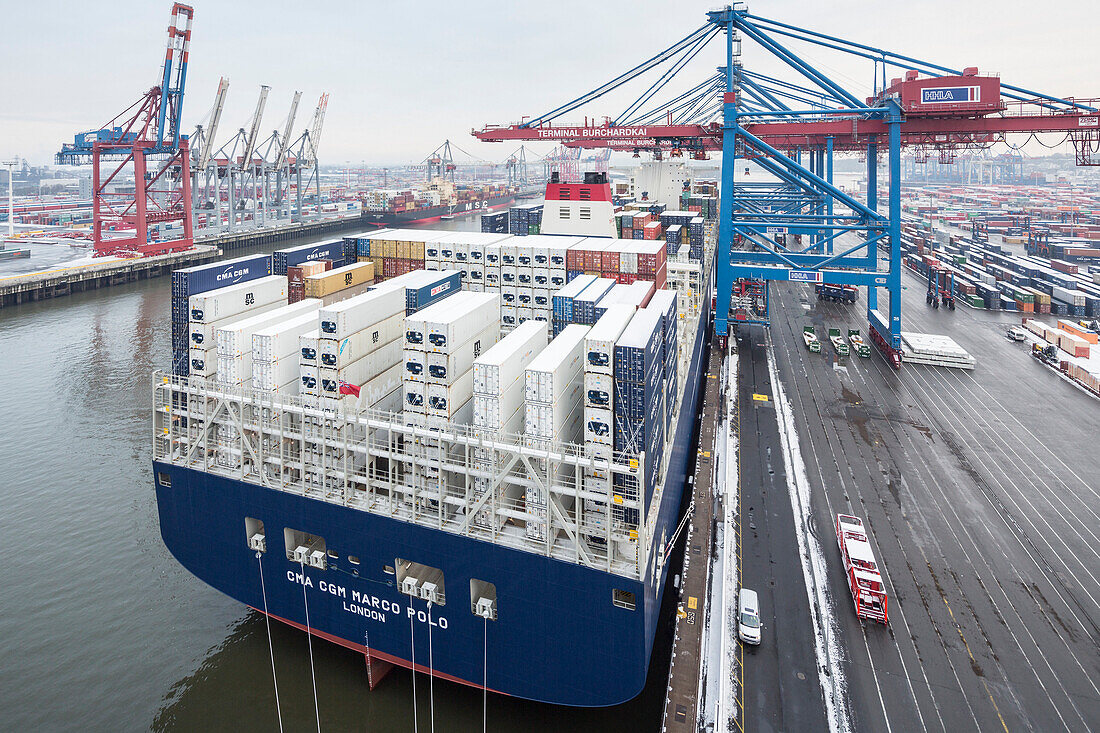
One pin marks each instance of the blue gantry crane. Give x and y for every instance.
(798, 226)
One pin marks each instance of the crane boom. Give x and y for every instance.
(215, 118)
(314, 131)
(175, 77)
(254, 130)
(284, 142)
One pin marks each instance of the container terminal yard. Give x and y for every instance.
(602, 436)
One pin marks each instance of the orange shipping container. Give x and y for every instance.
(1078, 331)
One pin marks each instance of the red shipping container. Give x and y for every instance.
(294, 275)
(574, 259)
(592, 260)
(296, 292)
(625, 278)
(609, 261)
(389, 267)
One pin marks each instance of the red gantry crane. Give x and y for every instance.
(153, 214)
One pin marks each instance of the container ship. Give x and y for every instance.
(473, 468)
(441, 198)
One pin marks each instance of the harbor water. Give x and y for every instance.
(104, 630)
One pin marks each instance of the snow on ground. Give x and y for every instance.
(719, 670)
(826, 629)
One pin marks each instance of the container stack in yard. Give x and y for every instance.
(1051, 276)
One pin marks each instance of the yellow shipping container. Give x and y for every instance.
(416, 250)
(318, 286)
(389, 248)
(402, 250)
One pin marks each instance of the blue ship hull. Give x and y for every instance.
(558, 638)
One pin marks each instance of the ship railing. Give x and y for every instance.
(460, 479)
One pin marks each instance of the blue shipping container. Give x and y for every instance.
(332, 250)
(430, 287)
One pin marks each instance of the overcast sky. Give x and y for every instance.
(403, 76)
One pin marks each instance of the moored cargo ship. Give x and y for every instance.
(532, 564)
(429, 214)
(440, 198)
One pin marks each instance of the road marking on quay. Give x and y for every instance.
(736, 422)
(820, 471)
(958, 627)
(833, 684)
(1044, 571)
(929, 469)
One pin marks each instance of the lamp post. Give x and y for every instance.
(11, 164)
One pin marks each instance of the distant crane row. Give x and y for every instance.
(174, 175)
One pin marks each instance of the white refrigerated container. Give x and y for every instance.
(335, 353)
(503, 366)
(281, 340)
(442, 367)
(340, 320)
(202, 334)
(455, 320)
(216, 305)
(557, 366)
(235, 338)
(361, 371)
(445, 400)
(599, 344)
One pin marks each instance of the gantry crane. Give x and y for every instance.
(240, 171)
(144, 139)
(204, 184)
(441, 163)
(304, 158)
(516, 165)
(276, 161)
(787, 228)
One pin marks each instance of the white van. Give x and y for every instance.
(748, 616)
